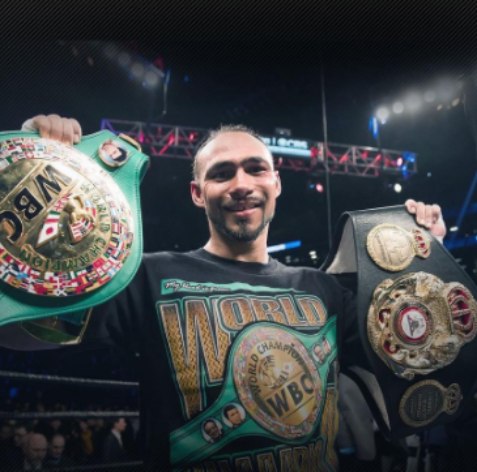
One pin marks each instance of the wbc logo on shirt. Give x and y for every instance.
(277, 381)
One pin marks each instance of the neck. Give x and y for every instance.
(253, 251)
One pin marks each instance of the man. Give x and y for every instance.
(34, 451)
(13, 454)
(233, 415)
(113, 449)
(228, 324)
(56, 457)
(212, 431)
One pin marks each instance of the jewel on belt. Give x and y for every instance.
(417, 323)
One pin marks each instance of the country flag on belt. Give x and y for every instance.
(90, 207)
(50, 228)
(81, 228)
(61, 202)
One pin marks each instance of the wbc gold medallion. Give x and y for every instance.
(393, 248)
(417, 323)
(422, 403)
(65, 226)
(277, 381)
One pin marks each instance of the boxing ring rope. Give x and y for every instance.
(66, 380)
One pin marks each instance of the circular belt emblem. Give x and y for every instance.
(65, 226)
(417, 323)
(422, 403)
(393, 248)
(277, 382)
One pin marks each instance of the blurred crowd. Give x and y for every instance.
(59, 444)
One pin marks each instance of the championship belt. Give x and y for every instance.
(274, 387)
(70, 228)
(417, 320)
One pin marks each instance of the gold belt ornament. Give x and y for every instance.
(65, 227)
(393, 248)
(417, 323)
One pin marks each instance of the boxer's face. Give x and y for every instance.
(237, 186)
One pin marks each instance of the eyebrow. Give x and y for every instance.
(227, 164)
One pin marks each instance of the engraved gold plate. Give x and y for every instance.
(422, 403)
(65, 227)
(393, 248)
(277, 382)
(417, 323)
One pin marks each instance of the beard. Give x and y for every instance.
(243, 233)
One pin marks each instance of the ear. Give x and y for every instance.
(278, 183)
(196, 194)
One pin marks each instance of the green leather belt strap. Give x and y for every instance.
(21, 304)
(275, 383)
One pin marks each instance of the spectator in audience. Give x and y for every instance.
(56, 457)
(13, 454)
(34, 451)
(113, 448)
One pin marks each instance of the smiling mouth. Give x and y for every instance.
(243, 206)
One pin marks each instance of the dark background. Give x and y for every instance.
(265, 85)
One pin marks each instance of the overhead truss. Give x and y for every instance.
(181, 142)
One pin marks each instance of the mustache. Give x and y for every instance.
(239, 203)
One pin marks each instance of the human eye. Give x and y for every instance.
(221, 174)
(257, 169)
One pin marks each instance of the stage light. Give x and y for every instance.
(397, 187)
(413, 102)
(429, 96)
(151, 79)
(284, 246)
(446, 90)
(382, 114)
(313, 255)
(398, 107)
(453, 229)
(319, 187)
(399, 161)
(455, 102)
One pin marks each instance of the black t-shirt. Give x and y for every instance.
(237, 361)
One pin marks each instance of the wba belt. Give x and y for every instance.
(273, 388)
(417, 320)
(70, 224)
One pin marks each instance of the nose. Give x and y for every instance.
(241, 184)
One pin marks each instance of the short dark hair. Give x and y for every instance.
(212, 134)
(229, 407)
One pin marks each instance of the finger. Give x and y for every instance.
(436, 213)
(68, 133)
(56, 127)
(429, 218)
(42, 124)
(411, 205)
(77, 131)
(420, 213)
